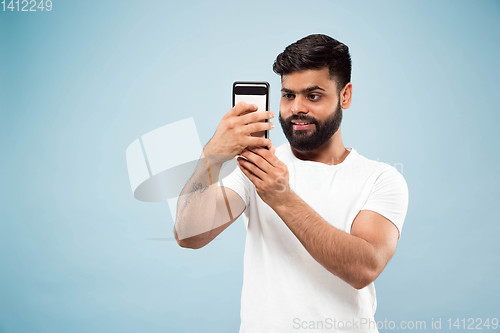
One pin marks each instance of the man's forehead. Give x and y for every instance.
(302, 80)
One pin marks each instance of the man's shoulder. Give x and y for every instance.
(373, 167)
(357, 162)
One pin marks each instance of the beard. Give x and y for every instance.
(306, 140)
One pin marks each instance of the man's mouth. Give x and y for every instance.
(302, 124)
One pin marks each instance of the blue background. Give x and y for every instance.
(79, 254)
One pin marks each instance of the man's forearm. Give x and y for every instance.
(351, 258)
(196, 206)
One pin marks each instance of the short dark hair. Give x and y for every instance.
(315, 52)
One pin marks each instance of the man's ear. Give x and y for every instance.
(346, 96)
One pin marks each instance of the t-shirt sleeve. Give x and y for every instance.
(237, 181)
(389, 197)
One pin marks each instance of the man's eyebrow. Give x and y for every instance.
(303, 91)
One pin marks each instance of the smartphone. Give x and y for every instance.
(253, 93)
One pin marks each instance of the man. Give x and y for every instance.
(322, 220)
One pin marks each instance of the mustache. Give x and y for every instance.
(301, 117)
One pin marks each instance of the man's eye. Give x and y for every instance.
(288, 96)
(314, 97)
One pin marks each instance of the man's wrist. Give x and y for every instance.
(286, 201)
(215, 155)
(213, 161)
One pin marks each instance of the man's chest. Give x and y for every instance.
(336, 195)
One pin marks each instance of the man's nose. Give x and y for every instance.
(298, 105)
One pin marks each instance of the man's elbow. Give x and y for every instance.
(189, 243)
(361, 283)
(366, 277)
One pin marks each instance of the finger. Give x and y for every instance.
(256, 141)
(254, 117)
(242, 108)
(252, 167)
(272, 149)
(259, 127)
(266, 155)
(253, 178)
(258, 161)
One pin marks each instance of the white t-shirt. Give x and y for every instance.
(284, 288)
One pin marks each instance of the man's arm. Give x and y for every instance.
(226, 199)
(204, 209)
(357, 258)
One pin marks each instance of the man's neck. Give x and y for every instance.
(331, 152)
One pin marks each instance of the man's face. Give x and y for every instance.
(310, 111)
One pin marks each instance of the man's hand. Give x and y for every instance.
(267, 173)
(233, 134)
